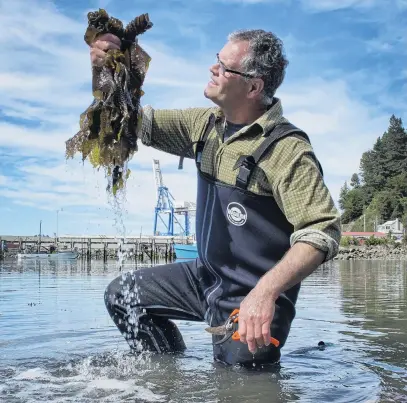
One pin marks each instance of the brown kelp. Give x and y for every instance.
(107, 127)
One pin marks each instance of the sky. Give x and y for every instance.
(347, 74)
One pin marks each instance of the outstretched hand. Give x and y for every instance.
(100, 46)
(255, 316)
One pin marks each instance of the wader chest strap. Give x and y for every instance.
(246, 164)
(200, 144)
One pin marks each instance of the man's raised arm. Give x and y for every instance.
(171, 130)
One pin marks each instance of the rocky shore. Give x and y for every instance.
(379, 252)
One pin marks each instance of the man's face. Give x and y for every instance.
(228, 89)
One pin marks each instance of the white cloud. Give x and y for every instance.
(44, 79)
(249, 2)
(73, 185)
(102, 3)
(341, 127)
(314, 5)
(171, 71)
(388, 33)
(327, 5)
(377, 45)
(32, 141)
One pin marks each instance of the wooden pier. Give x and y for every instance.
(138, 248)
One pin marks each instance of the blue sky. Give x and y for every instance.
(347, 75)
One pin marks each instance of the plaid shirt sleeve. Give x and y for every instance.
(303, 196)
(171, 130)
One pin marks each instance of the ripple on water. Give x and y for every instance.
(115, 377)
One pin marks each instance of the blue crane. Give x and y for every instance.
(166, 206)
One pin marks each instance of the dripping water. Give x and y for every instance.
(118, 204)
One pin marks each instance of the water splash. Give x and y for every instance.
(110, 377)
(131, 296)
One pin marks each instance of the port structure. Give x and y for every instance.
(174, 216)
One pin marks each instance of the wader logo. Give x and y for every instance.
(236, 214)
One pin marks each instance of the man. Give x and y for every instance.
(265, 219)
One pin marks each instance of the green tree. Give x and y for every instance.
(394, 142)
(342, 195)
(354, 181)
(353, 205)
(381, 187)
(384, 204)
(398, 187)
(372, 168)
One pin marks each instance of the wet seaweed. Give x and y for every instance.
(108, 126)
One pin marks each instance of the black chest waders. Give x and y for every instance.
(240, 237)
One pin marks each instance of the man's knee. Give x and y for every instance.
(112, 293)
(118, 292)
(159, 335)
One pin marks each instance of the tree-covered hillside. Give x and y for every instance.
(379, 191)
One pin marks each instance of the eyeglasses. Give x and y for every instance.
(223, 69)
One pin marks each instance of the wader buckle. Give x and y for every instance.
(245, 171)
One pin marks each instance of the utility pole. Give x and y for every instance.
(61, 209)
(39, 238)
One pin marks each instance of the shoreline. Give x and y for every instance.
(374, 252)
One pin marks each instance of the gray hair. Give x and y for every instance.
(265, 59)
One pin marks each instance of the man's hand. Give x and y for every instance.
(100, 46)
(255, 316)
(257, 309)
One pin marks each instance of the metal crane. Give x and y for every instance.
(166, 205)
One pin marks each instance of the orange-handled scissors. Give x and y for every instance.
(229, 330)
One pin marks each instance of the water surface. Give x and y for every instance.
(58, 344)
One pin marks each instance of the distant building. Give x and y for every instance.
(364, 235)
(361, 237)
(394, 226)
